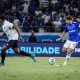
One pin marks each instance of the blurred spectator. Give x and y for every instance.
(66, 8)
(20, 16)
(63, 22)
(14, 8)
(44, 5)
(41, 13)
(50, 27)
(38, 12)
(25, 6)
(33, 26)
(33, 6)
(26, 25)
(57, 22)
(54, 1)
(57, 25)
(46, 17)
(16, 21)
(32, 38)
(55, 16)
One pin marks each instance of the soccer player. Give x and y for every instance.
(72, 41)
(13, 35)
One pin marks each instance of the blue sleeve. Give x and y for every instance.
(77, 24)
(65, 30)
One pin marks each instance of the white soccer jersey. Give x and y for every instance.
(9, 31)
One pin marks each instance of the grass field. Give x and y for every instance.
(22, 68)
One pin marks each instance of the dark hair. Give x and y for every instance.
(2, 17)
(75, 19)
(68, 18)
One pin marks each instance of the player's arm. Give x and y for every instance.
(18, 31)
(62, 35)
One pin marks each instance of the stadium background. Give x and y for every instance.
(45, 17)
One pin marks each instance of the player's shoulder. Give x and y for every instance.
(67, 25)
(6, 23)
(75, 23)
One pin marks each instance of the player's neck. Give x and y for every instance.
(70, 22)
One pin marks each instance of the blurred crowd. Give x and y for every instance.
(39, 15)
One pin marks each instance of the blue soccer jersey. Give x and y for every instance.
(72, 30)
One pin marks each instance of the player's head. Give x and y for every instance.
(2, 19)
(74, 19)
(68, 19)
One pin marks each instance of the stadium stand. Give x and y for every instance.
(36, 15)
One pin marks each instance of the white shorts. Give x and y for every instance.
(70, 44)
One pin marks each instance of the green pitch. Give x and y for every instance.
(23, 68)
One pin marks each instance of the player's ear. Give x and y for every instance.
(79, 26)
(70, 21)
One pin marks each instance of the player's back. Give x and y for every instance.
(9, 30)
